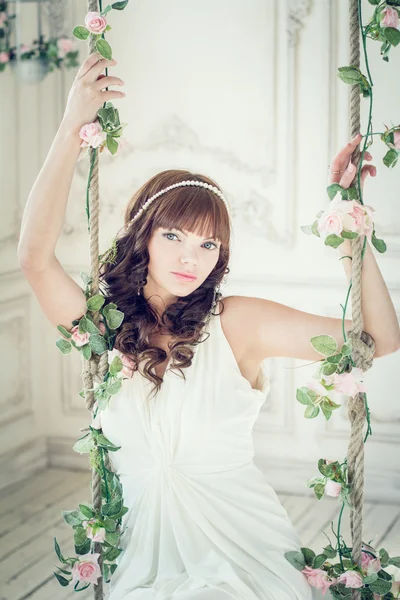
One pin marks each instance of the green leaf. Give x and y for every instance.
(303, 397)
(87, 511)
(370, 578)
(380, 586)
(119, 5)
(83, 548)
(395, 561)
(64, 582)
(115, 387)
(82, 33)
(335, 358)
(319, 490)
(104, 48)
(328, 369)
(64, 345)
(392, 35)
(350, 75)
(112, 538)
(311, 412)
(105, 10)
(114, 318)
(352, 193)
(71, 517)
(384, 557)
(112, 554)
(108, 307)
(319, 561)
(95, 302)
(115, 366)
(329, 551)
(374, 2)
(58, 551)
(314, 229)
(86, 351)
(307, 229)
(349, 235)
(89, 326)
(333, 240)
(84, 445)
(98, 344)
(109, 525)
(105, 443)
(296, 559)
(380, 245)
(333, 189)
(112, 145)
(324, 344)
(79, 536)
(390, 158)
(326, 411)
(112, 508)
(309, 555)
(85, 278)
(64, 331)
(346, 349)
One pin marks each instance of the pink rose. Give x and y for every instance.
(351, 579)
(3, 18)
(80, 339)
(396, 139)
(359, 219)
(330, 222)
(24, 49)
(93, 532)
(390, 17)
(92, 135)
(65, 45)
(332, 488)
(86, 568)
(369, 563)
(318, 578)
(349, 383)
(4, 57)
(95, 23)
(316, 387)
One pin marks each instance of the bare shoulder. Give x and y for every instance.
(233, 322)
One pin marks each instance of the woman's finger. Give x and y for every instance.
(99, 66)
(348, 176)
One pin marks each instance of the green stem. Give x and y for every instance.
(338, 536)
(104, 474)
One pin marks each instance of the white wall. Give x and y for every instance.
(245, 92)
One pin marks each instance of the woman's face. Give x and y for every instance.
(172, 251)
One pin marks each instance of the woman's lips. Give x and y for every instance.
(184, 277)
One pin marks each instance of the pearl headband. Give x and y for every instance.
(175, 185)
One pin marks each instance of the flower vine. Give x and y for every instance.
(347, 217)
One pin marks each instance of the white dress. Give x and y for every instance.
(203, 521)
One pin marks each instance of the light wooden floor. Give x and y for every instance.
(30, 517)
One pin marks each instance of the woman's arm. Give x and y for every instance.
(45, 208)
(379, 314)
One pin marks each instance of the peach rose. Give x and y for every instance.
(349, 383)
(86, 569)
(95, 22)
(332, 488)
(4, 57)
(359, 219)
(80, 339)
(390, 17)
(396, 139)
(351, 579)
(92, 135)
(318, 578)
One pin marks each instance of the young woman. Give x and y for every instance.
(203, 522)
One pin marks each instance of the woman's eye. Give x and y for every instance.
(165, 234)
(174, 234)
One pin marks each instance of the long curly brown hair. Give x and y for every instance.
(195, 209)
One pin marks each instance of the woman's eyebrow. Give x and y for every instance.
(181, 230)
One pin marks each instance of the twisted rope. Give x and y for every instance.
(363, 344)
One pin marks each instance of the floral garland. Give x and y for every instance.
(57, 51)
(89, 525)
(347, 218)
